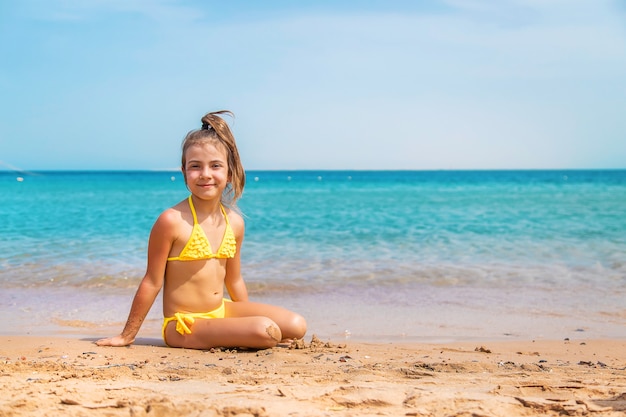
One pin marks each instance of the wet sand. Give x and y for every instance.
(74, 377)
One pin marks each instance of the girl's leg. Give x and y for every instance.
(292, 325)
(246, 324)
(253, 332)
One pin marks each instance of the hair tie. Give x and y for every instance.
(205, 126)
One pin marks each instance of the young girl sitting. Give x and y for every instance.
(194, 252)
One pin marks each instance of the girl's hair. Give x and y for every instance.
(216, 132)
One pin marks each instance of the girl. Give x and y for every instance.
(194, 252)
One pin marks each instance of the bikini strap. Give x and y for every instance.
(224, 214)
(195, 218)
(193, 211)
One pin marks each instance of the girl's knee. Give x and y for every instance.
(268, 333)
(273, 331)
(295, 327)
(298, 325)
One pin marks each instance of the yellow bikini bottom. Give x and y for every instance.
(184, 320)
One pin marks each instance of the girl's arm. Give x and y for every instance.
(235, 285)
(159, 244)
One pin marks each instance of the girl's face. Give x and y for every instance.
(206, 170)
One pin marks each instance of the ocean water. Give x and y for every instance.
(363, 255)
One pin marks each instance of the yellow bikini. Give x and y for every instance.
(184, 320)
(198, 246)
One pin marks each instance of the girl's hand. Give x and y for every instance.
(116, 341)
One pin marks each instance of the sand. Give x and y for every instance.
(74, 377)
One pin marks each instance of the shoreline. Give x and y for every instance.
(434, 315)
(75, 377)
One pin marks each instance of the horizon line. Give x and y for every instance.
(177, 170)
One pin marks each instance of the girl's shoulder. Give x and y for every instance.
(175, 214)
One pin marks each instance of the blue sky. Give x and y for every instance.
(447, 84)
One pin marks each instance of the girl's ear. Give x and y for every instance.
(182, 169)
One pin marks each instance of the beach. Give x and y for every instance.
(425, 294)
(74, 377)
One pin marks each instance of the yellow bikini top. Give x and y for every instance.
(198, 246)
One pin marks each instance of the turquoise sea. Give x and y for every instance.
(364, 255)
